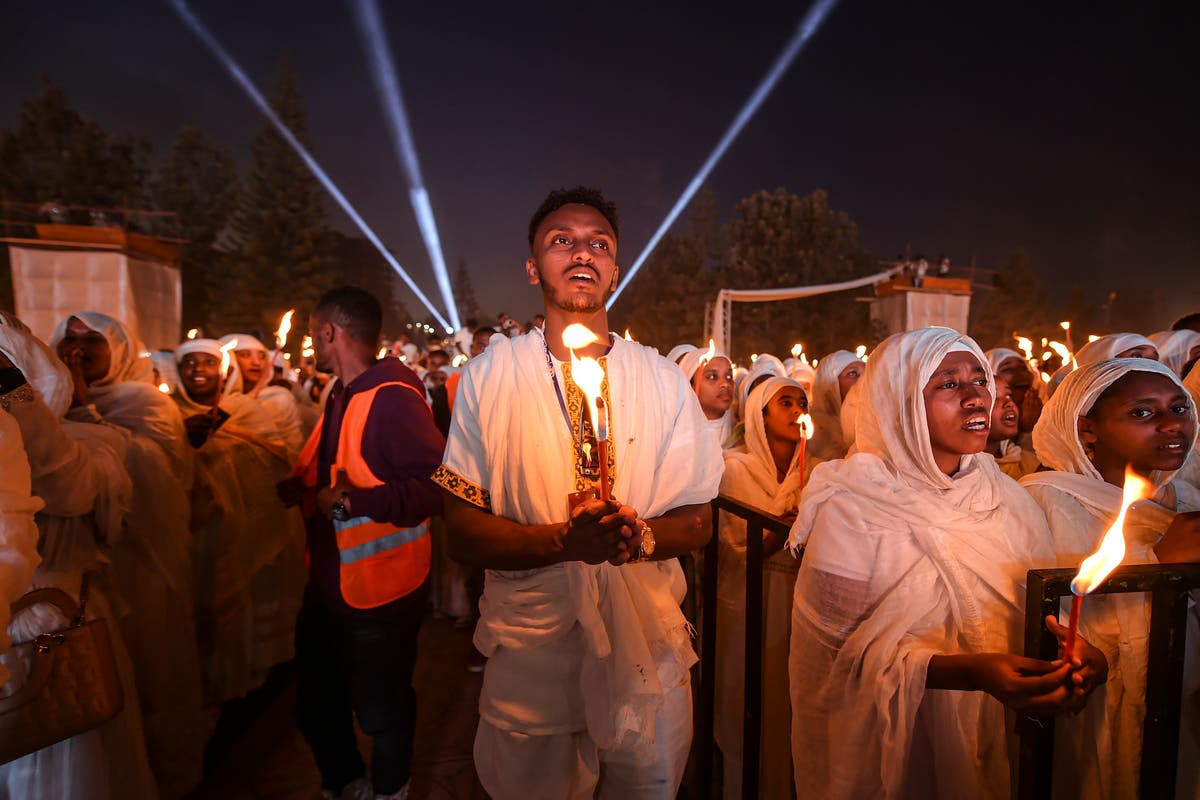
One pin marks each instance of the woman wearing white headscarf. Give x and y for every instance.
(1116, 345)
(153, 564)
(829, 391)
(710, 374)
(1084, 433)
(249, 548)
(1176, 348)
(277, 400)
(764, 366)
(768, 475)
(915, 554)
(78, 470)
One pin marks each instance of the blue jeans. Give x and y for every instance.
(359, 666)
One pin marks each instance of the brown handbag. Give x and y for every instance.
(72, 684)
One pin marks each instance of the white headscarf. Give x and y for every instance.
(998, 355)
(210, 346)
(757, 460)
(765, 364)
(41, 367)
(233, 381)
(1174, 347)
(680, 350)
(1109, 346)
(695, 359)
(825, 405)
(1056, 434)
(130, 359)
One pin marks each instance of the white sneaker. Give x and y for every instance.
(359, 789)
(400, 795)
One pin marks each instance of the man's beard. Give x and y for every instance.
(574, 305)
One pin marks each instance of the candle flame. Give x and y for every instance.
(1062, 351)
(709, 354)
(382, 352)
(860, 352)
(753, 357)
(586, 372)
(285, 327)
(164, 388)
(577, 337)
(806, 426)
(225, 351)
(1099, 565)
(459, 360)
(193, 333)
(797, 349)
(1065, 325)
(1092, 337)
(628, 335)
(307, 352)
(1047, 355)
(1045, 377)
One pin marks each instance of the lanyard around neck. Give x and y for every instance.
(562, 402)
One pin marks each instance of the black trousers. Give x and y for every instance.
(359, 666)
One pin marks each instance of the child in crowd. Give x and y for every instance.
(1105, 416)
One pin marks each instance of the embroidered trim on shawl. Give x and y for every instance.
(459, 486)
(575, 400)
(21, 394)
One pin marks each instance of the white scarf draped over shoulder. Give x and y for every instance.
(1098, 749)
(509, 441)
(1175, 347)
(903, 562)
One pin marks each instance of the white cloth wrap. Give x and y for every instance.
(18, 533)
(903, 562)
(278, 401)
(825, 406)
(1175, 347)
(523, 457)
(1098, 749)
(998, 355)
(1107, 347)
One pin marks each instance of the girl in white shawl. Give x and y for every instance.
(710, 374)
(77, 470)
(1013, 460)
(1176, 348)
(915, 555)
(249, 548)
(152, 564)
(250, 373)
(1104, 416)
(836, 373)
(768, 475)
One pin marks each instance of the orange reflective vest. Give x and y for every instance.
(380, 562)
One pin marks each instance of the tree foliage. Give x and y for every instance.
(1015, 304)
(199, 182)
(283, 245)
(464, 293)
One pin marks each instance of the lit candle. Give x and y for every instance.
(806, 432)
(1099, 565)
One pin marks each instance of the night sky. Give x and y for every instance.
(964, 128)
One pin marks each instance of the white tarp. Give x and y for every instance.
(50, 283)
(722, 308)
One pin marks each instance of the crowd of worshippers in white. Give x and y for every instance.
(937, 476)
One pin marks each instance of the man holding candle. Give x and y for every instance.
(586, 689)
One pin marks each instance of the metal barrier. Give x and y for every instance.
(1168, 585)
(757, 521)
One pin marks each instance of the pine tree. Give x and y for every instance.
(199, 182)
(464, 293)
(282, 240)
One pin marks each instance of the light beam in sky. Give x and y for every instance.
(379, 61)
(239, 76)
(808, 26)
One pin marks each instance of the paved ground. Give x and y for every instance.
(258, 753)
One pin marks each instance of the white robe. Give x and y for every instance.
(1097, 751)
(18, 533)
(564, 656)
(901, 563)
(750, 478)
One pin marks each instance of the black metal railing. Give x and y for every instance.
(1168, 586)
(757, 522)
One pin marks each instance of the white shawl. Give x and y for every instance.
(825, 405)
(1174, 347)
(1107, 347)
(276, 400)
(1098, 750)
(18, 534)
(508, 437)
(903, 562)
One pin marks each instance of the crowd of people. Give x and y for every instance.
(228, 514)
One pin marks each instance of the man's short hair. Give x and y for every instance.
(1188, 322)
(354, 310)
(583, 195)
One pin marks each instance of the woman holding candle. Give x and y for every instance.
(710, 373)
(915, 554)
(769, 475)
(250, 373)
(1105, 416)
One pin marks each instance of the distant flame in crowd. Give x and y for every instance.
(628, 335)
(382, 352)
(285, 327)
(860, 352)
(797, 349)
(225, 351)
(164, 388)
(193, 333)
